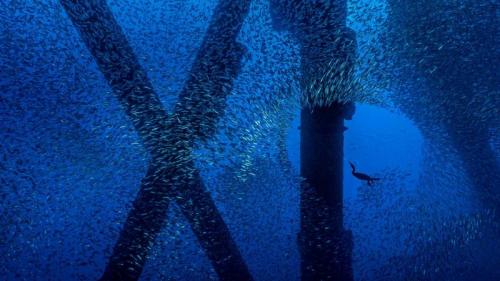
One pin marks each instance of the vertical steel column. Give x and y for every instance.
(324, 244)
(327, 52)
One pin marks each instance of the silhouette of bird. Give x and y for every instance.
(361, 176)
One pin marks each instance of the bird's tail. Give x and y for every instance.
(352, 166)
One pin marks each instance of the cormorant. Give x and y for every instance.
(362, 176)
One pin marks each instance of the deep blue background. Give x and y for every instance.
(71, 163)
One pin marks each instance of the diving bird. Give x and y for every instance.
(362, 176)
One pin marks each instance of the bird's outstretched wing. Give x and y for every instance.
(352, 166)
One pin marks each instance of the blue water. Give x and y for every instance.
(426, 93)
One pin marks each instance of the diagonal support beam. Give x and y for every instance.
(117, 62)
(172, 175)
